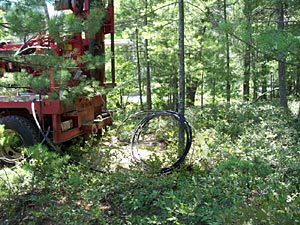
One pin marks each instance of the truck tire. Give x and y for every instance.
(21, 133)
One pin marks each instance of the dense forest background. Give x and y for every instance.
(242, 77)
(234, 50)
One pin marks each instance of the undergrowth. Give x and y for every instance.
(243, 168)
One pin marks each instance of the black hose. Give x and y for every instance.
(135, 136)
(45, 136)
(53, 146)
(151, 115)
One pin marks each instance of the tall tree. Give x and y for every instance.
(148, 78)
(138, 65)
(234, 30)
(181, 104)
(228, 80)
(247, 54)
(281, 56)
(24, 20)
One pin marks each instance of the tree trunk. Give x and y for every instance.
(228, 82)
(139, 68)
(174, 85)
(255, 85)
(214, 91)
(181, 104)
(247, 56)
(264, 73)
(297, 83)
(148, 78)
(255, 74)
(202, 89)
(191, 93)
(246, 84)
(44, 4)
(281, 58)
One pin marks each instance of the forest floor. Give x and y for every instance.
(242, 168)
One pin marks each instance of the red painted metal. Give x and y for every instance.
(85, 115)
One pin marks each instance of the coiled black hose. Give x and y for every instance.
(154, 114)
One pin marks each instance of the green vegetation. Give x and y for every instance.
(243, 166)
(246, 173)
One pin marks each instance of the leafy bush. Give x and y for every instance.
(248, 174)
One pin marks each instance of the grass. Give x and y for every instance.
(243, 168)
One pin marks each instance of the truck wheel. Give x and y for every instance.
(18, 132)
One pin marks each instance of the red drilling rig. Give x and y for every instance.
(33, 116)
